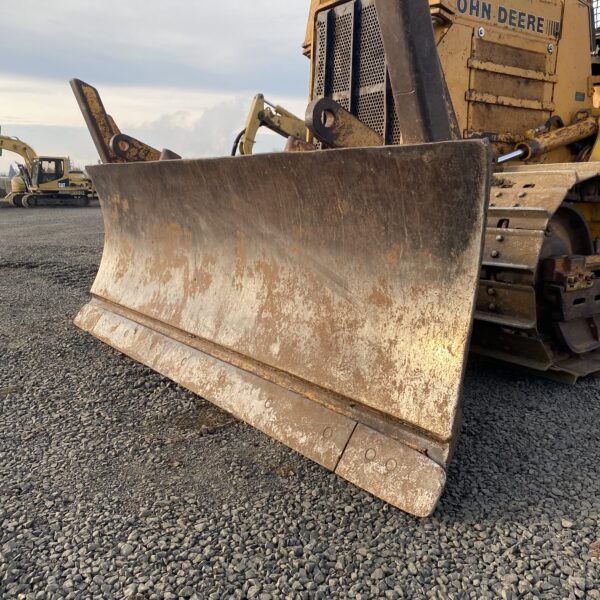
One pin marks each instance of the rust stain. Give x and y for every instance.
(204, 278)
(379, 297)
(298, 233)
(241, 259)
(343, 206)
(392, 256)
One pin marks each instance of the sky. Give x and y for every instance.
(179, 74)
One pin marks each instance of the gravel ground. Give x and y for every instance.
(115, 482)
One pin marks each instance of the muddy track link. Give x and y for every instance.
(536, 212)
(47, 200)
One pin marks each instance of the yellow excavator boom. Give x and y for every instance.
(14, 144)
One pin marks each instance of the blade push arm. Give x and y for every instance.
(112, 145)
(274, 117)
(421, 98)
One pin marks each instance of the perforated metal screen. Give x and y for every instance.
(350, 66)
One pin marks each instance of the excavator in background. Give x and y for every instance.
(45, 180)
(441, 194)
(4, 186)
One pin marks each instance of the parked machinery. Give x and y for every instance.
(45, 180)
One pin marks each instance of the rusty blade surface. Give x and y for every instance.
(324, 297)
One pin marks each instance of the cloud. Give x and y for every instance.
(231, 45)
(130, 105)
(176, 74)
(196, 132)
(212, 134)
(53, 141)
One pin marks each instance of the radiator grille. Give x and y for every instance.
(371, 56)
(350, 66)
(341, 58)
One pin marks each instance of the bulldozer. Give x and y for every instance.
(440, 195)
(45, 180)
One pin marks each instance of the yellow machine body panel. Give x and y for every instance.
(509, 65)
(52, 174)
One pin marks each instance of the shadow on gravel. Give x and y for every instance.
(71, 275)
(18, 265)
(203, 419)
(517, 450)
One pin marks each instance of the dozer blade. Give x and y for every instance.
(325, 298)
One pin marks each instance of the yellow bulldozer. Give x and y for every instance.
(441, 194)
(45, 180)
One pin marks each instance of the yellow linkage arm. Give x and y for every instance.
(14, 144)
(276, 118)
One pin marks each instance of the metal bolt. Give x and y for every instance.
(495, 254)
(391, 464)
(499, 238)
(491, 292)
(327, 432)
(492, 307)
(550, 48)
(370, 454)
(481, 32)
